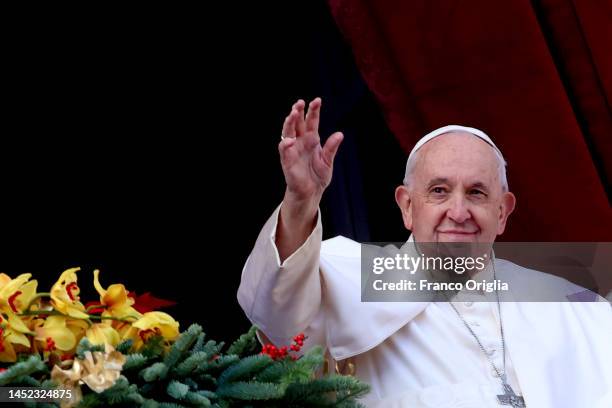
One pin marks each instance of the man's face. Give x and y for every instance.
(455, 194)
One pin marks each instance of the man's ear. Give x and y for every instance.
(508, 202)
(404, 202)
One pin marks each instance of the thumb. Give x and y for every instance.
(331, 147)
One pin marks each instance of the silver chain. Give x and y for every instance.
(501, 330)
(509, 397)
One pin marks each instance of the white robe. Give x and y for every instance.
(420, 354)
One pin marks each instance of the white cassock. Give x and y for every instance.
(558, 354)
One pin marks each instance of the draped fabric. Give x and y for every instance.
(536, 76)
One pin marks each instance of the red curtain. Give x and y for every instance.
(536, 76)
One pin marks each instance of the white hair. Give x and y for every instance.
(501, 162)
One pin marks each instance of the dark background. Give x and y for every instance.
(144, 142)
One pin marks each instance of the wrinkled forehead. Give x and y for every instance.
(457, 155)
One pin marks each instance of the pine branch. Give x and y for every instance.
(212, 347)
(217, 365)
(187, 366)
(177, 389)
(26, 381)
(208, 394)
(329, 390)
(171, 405)
(182, 344)
(246, 344)
(199, 345)
(193, 384)
(134, 361)
(195, 373)
(150, 404)
(33, 404)
(154, 347)
(125, 346)
(207, 379)
(197, 399)
(28, 367)
(245, 369)
(275, 372)
(249, 391)
(155, 372)
(85, 345)
(182, 392)
(304, 368)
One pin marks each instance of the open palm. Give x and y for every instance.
(307, 165)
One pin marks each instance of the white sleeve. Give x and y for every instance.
(282, 299)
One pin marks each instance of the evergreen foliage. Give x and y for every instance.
(192, 372)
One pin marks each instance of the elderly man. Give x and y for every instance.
(428, 353)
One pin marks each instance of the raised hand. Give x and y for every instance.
(308, 171)
(306, 165)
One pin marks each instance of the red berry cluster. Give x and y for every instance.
(50, 345)
(65, 357)
(298, 342)
(280, 353)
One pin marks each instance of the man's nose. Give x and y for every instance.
(458, 210)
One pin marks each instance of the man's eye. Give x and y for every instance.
(438, 190)
(477, 192)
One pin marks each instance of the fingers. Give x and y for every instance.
(289, 125)
(331, 148)
(284, 145)
(312, 117)
(294, 125)
(300, 125)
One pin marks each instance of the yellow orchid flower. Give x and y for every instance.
(10, 340)
(151, 324)
(7, 351)
(103, 333)
(116, 300)
(168, 327)
(15, 296)
(78, 327)
(17, 323)
(57, 334)
(54, 334)
(65, 295)
(127, 331)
